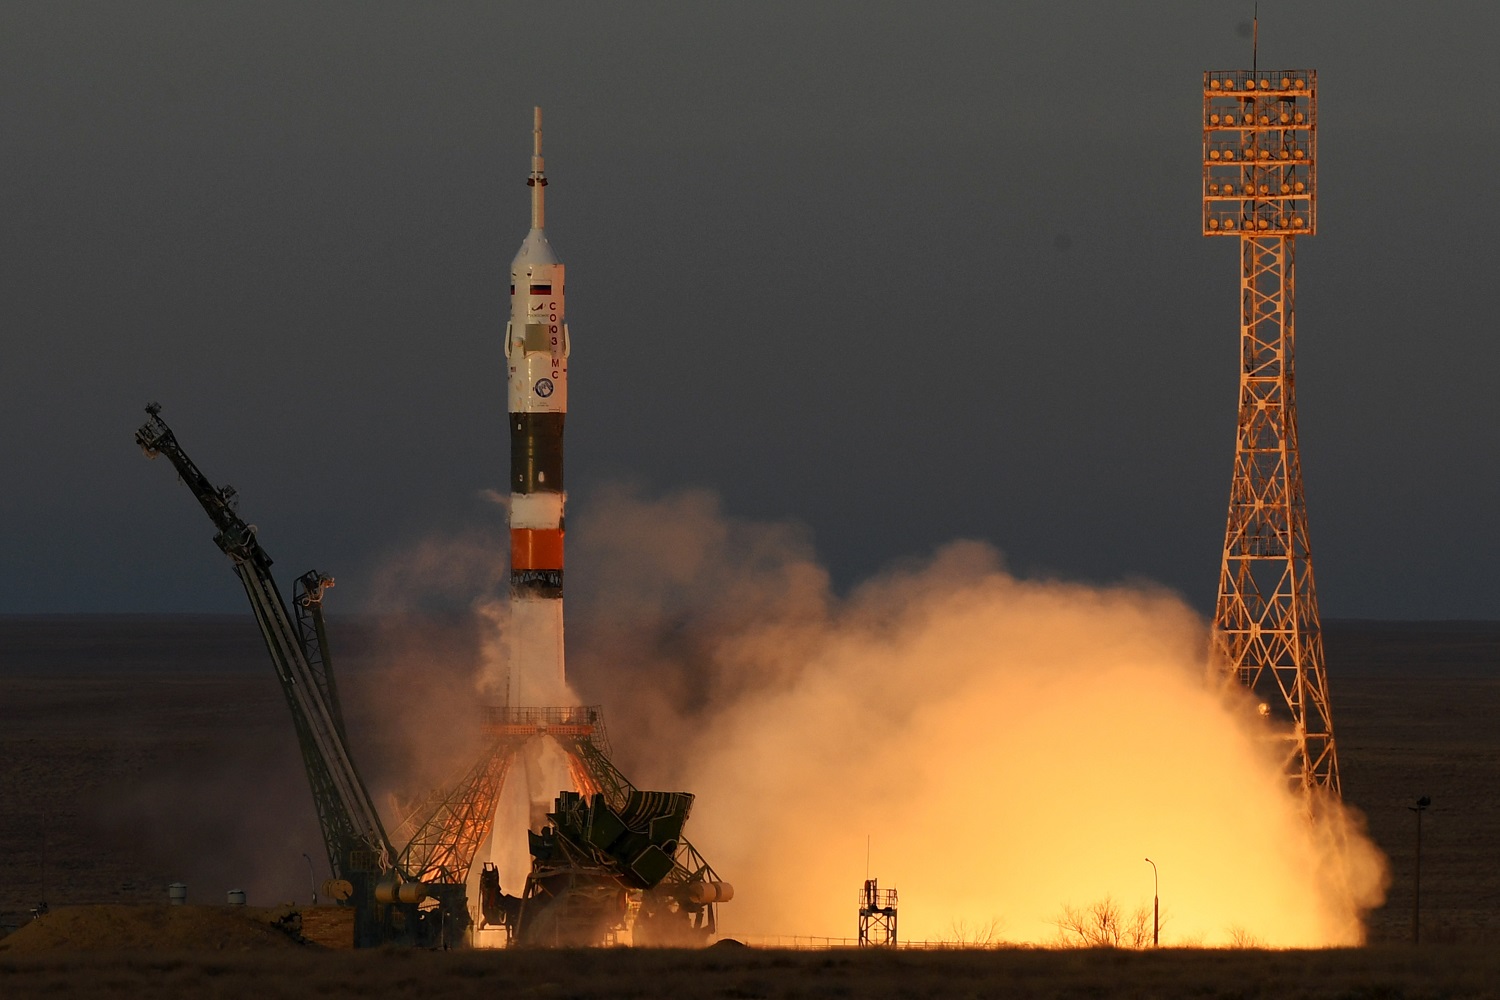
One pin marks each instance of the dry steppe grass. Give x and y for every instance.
(1395, 973)
(160, 927)
(146, 928)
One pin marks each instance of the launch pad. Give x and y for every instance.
(624, 867)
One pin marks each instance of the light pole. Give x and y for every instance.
(312, 878)
(1416, 896)
(1155, 905)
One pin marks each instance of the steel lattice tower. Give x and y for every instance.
(1259, 185)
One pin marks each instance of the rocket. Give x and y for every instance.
(536, 358)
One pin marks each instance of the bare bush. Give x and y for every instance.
(977, 935)
(1104, 924)
(1241, 938)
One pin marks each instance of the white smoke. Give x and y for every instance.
(1010, 747)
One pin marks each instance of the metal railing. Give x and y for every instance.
(563, 720)
(1293, 81)
(816, 943)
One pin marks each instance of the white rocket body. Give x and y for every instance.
(536, 357)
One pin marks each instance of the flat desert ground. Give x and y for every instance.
(139, 751)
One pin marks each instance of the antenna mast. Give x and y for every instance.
(1254, 41)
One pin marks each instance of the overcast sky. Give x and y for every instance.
(902, 272)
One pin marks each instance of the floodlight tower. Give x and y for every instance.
(1260, 186)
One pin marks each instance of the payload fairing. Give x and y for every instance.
(536, 352)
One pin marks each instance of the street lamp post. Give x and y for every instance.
(1155, 905)
(312, 878)
(1416, 896)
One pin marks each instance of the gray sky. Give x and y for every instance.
(902, 272)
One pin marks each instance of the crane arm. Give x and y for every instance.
(235, 537)
(312, 634)
(352, 830)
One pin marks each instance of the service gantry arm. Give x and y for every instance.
(358, 848)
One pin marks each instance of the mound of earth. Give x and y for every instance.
(153, 928)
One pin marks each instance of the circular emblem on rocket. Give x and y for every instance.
(544, 387)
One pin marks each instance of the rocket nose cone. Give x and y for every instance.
(535, 250)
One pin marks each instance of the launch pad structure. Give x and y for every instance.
(1260, 187)
(678, 889)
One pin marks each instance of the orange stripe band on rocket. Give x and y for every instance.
(536, 548)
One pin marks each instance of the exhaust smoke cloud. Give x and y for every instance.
(1010, 747)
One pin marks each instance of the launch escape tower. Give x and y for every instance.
(1260, 186)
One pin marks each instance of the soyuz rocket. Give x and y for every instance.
(536, 358)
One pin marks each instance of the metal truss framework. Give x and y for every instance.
(458, 819)
(448, 829)
(877, 916)
(1267, 633)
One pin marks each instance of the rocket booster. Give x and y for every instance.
(536, 357)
